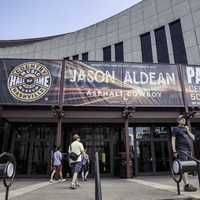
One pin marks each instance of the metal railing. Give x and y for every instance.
(7, 170)
(178, 168)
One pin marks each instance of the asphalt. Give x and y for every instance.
(141, 188)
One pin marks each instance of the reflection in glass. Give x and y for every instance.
(160, 132)
(143, 132)
(144, 156)
(161, 155)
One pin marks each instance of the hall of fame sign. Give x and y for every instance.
(29, 81)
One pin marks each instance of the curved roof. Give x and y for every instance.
(19, 42)
(9, 43)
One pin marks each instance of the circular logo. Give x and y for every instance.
(29, 82)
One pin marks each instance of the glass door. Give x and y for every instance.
(151, 149)
(143, 150)
(21, 147)
(32, 145)
(43, 143)
(96, 138)
(102, 145)
(161, 144)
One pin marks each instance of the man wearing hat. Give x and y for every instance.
(76, 147)
(181, 141)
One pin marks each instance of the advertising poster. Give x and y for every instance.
(114, 84)
(24, 82)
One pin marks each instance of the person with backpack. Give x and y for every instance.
(57, 164)
(75, 151)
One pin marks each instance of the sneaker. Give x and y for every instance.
(77, 184)
(61, 180)
(73, 186)
(50, 181)
(190, 188)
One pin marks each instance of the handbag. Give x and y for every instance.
(73, 156)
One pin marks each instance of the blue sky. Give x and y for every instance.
(39, 18)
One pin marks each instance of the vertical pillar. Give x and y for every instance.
(59, 132)
(30, 152)
(128, 172)
(59, 111)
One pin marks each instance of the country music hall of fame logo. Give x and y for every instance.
(29, 82)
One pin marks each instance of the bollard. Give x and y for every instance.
(178, 168)
(7, 170)
(98, 193)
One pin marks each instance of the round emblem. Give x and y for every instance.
(29, 82)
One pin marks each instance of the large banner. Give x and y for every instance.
(97, 84)
(29, 82)
(191, 76)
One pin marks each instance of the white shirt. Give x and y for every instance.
(76, 147)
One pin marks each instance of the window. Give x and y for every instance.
(107, 54)
(66, 58)
(85, 56)
(143, 132)
(75, 57)
(119, 52)
(178, 42)
(161, 45)
(146, 48)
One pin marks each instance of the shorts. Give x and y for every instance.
(57, 168)
(76, 167)
(183, 157)
(85, 168)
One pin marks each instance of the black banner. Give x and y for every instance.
(24, 82)
(191, 76)
(114, 84)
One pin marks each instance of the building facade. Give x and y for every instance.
(152, 31)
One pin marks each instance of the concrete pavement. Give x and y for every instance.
(142, 188)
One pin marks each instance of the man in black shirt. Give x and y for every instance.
(181, 141)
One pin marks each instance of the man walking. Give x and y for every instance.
(181, 141)
(75, 151)
(57, 164)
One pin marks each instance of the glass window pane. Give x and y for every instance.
(119, 52)
(146, 48)
(160, 132)
(161, 45)
(144, 156)
(143, 133)
(161, 156)
(85, 56)
(107, 53)
(178, 42)
(75, 57)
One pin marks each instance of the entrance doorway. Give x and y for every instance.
(104, 139)
(150, 148)
(32, 145)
